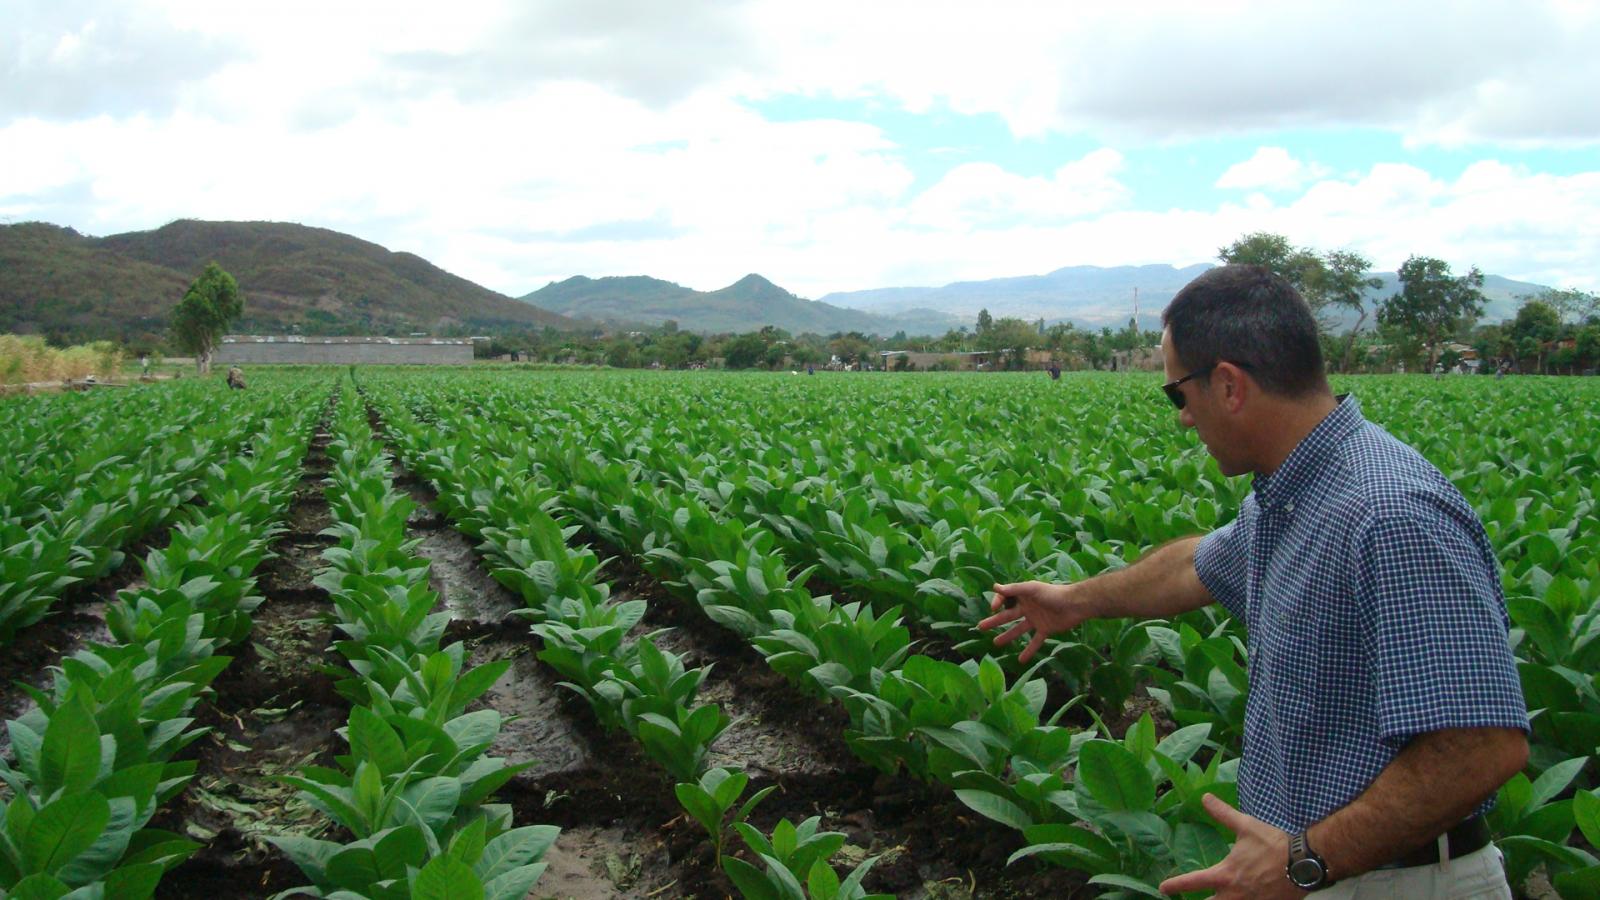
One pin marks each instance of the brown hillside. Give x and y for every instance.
(58, 282)
(55, 281)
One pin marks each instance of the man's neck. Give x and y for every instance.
(1285, 423)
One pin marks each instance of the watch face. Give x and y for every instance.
(1306, 873)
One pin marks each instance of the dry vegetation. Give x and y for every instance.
(26, 359)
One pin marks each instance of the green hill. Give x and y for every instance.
(746, 305)
(61, 283)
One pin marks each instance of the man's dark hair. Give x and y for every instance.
(1248, 316)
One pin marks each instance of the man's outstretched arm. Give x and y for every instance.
(1160, 585)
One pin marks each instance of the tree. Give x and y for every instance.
(744, 351)
(1536, 325)
(985, 321)
(850, 348)
(1575, 307)
(1589, 345)
(202, 316)
(1298, 265)
(1432, 303)
(1332, 280)
(1343, 282)
(1015, 337)
(773, 359)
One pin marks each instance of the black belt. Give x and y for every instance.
(1468, 837)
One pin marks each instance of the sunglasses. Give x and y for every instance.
(1177, 397)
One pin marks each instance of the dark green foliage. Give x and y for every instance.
(1432, 304)
(212, 302)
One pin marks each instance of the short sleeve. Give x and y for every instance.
(1436, 627)
(1221, 560)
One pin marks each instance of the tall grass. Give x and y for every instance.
(27, 358)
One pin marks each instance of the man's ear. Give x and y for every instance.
(1233, 385)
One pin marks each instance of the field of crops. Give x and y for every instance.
(504, 634)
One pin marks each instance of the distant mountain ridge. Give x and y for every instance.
(55, 280)
(748, 304)
(1096, 296)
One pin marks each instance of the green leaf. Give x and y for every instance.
(38, 887)
(1128, 883)
(516, 848)
(137, 882)
(467, 845)
(1583, 884)
(444, 878)
(822, 882)
(62, 830)
(751, 881)
(995, 807)
(1197, 846)
(700, 805)
(372, 739)
(432, 800)
(1115, 777)
(1554, 780)
(69, 758)
(1586, 810)
(515, 884)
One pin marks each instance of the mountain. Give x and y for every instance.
(746, 305)
(1095, 296)
(1084, 295)
(57, 281)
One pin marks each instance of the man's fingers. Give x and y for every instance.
(1204, 880)
(1013, 633)
(1000, 618)
(1226, 815)
(1033, 646)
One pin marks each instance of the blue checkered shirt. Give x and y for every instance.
(1374, 612)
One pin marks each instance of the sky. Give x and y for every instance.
(827, 145)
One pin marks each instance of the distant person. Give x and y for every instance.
(144, 365)
(1055, 371)
(811, 369)
(235, 378)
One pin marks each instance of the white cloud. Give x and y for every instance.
(515, 143)
(1271, 168)
(983, 195)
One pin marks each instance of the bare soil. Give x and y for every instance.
(273, 712)
(623, 832)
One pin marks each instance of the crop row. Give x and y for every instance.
(413, 791)
(66, 524)
(616, 455)
(99, 753)
(629, 682)
(961, 725)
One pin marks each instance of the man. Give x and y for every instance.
(1385, 708)
(236, 378)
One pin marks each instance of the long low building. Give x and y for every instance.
(246, 349)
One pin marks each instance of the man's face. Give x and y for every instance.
(1200, 412)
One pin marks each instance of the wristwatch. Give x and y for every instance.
(1306, 870)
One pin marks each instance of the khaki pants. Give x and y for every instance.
(1480, 875)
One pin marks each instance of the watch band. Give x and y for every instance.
(1306, 870)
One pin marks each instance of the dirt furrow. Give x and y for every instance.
(623, 832)
(274, 712)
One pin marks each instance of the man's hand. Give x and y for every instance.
(1253, 868)
(1045, 608)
